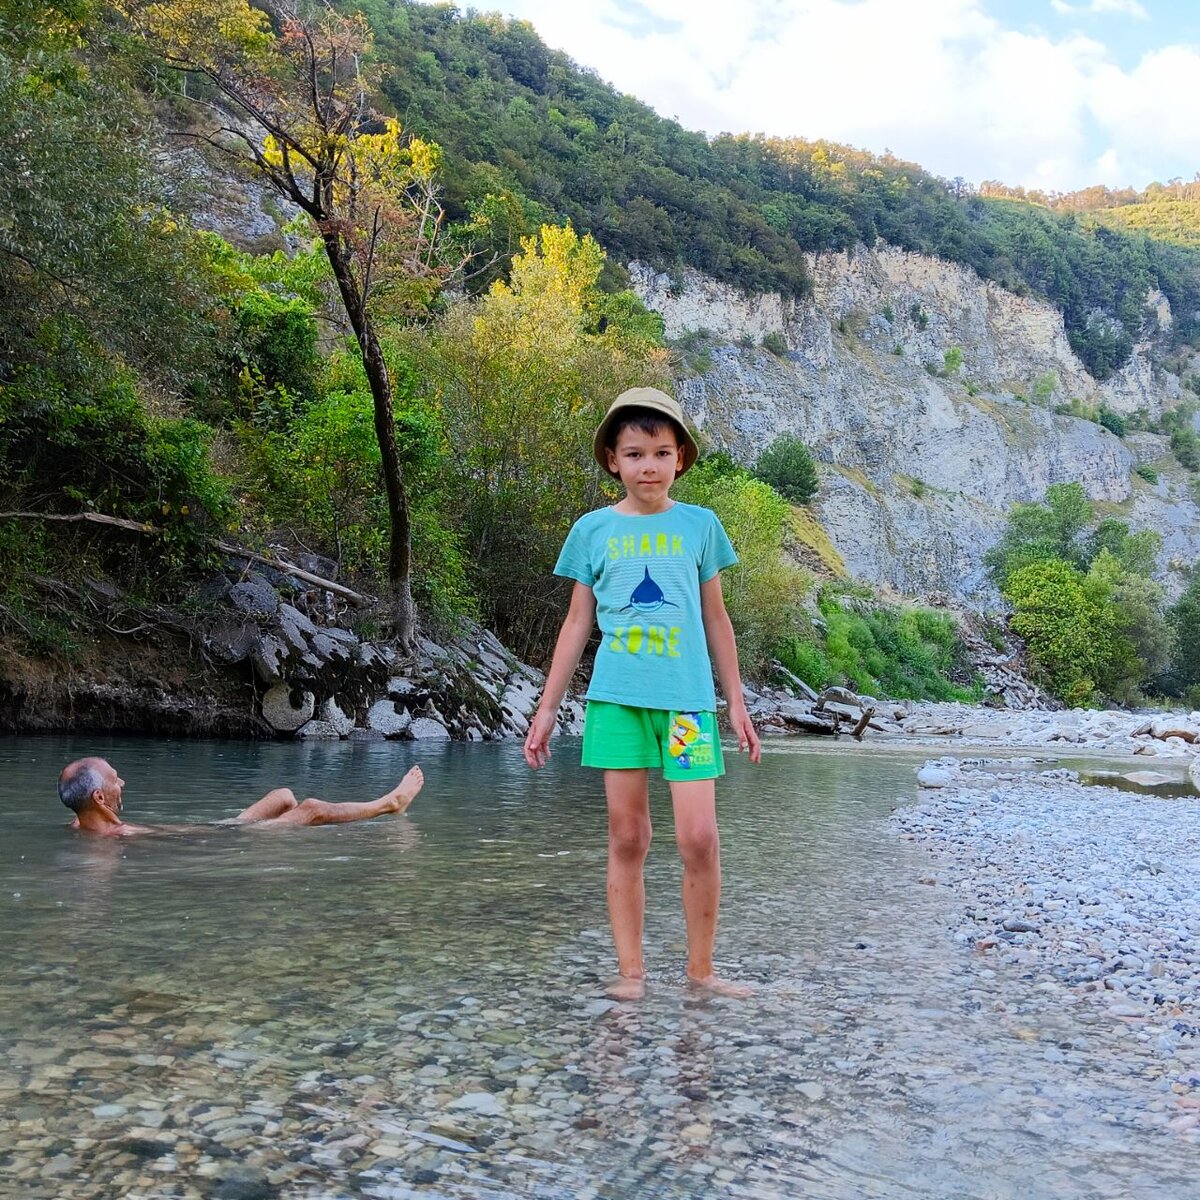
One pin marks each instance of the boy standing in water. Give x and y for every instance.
(648, 568)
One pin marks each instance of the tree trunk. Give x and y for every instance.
(400, 549)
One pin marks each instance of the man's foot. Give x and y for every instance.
(627, 987)
(720, 987)
(405, 792)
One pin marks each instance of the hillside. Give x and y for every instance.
(181, 373)
(521, 120)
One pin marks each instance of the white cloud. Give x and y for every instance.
(948, 86)
(1131, 8)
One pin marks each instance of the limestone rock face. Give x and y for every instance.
(923, 463)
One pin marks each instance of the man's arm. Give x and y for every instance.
(722, 645)
(576, 629)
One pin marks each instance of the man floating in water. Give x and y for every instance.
(92, 790)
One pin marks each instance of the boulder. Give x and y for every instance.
(934, 777)
(317, 730)
(254, 599)
(1147, 778)
(268, 658)
(426, 729)
(1171, 727)
(383, 718)
(281, 713)
(332, 715)
(231, 641)
(1194, 772)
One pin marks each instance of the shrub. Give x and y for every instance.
(807, 660)
(918, 316)
(774, 342)
(952, 361)
(907, 653)
(1044, 386)
(1185, 445)
(788, 467)
(1147, 472)
(1111, 421)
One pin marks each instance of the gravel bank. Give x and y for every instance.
(1080, 887)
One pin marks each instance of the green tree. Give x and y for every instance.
(1038, 532)
(1184, 620)
(788, 467)
(522, 376)
(368, 190)
(1061, 624)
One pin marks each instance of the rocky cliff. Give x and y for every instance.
(923, 462)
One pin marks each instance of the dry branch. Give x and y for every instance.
(277, 564)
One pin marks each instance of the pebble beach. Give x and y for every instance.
(1084, 891)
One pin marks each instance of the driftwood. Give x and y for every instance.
(277, 564)
(863, 721)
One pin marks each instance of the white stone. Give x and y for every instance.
(482, 1103)
(280, 713)
(934, 777)
(332, 713)
(426, 729)
(383, 718)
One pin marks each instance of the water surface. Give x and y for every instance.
(415, 1006)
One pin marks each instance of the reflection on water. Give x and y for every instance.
(415, 1005)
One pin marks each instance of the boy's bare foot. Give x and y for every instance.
(405, 792)
(720, 987)
(627, 987)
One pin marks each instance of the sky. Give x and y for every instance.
(1050, 94)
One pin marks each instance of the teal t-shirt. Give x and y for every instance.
(646, 574)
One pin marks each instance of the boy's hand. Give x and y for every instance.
(743, 729)
(537, 740)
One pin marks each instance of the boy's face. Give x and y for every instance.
(646, 463)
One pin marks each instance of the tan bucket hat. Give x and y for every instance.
(656, 400)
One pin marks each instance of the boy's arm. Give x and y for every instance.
(722, 645)
(576, 629)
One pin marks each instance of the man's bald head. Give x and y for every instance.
(81, 779)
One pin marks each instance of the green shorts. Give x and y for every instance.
(618, 737)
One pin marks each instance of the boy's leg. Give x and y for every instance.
(628, 796)
(695, 807)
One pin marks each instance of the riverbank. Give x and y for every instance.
(1086, 892)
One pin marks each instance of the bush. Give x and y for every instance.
(952, 361)
(907, 653)
(788, 467)
(774, 342)
(808, 661)
(1185, 445)
(1111, 421)
(1147, 472)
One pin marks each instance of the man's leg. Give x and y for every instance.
(628, 796)
(318, 812)
(695, 806)
(274, 804)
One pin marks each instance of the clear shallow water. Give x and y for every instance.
(414, 1006)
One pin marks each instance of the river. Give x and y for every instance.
(415, 1006)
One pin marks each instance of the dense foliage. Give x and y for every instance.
(1083, 599)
